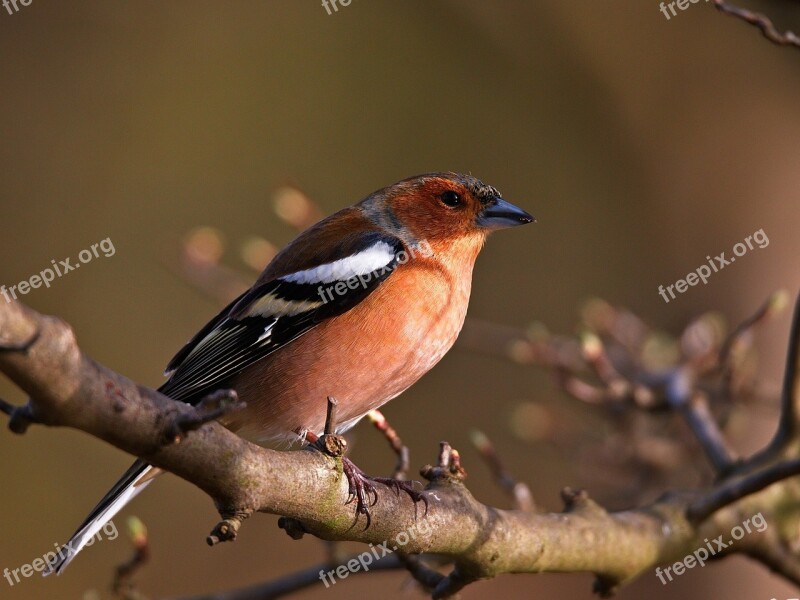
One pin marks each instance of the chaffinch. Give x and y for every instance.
(358, 307)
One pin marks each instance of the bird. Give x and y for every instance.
(357, 307)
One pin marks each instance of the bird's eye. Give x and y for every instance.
(451, 198)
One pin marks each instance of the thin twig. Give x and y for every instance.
(330, 416)
(422, 573)
(20, 417)
(122, 586)
(774, 304)
(401, 450)
(283, 586)
(764, 24)
(594, 352)
(789, 423)
(450, 585)
(218, 283)
(773, 553)
(729, 492)
(578, 388)
(739, 340)
(328, 443)
(518, 491)
(7, 407)
(693, 407)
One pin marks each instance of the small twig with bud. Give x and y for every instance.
(123, 586)
(519, 492)
(403, 458)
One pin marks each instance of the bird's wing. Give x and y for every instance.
(275, 312)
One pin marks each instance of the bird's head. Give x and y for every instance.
(446, 206)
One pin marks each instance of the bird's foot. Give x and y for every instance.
(362, 489)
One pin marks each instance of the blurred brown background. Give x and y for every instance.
(642, 145)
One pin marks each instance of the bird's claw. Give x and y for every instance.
(361, 489)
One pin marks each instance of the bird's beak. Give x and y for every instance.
(500, 214)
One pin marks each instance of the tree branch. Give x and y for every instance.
(67, 388)
(735, 489)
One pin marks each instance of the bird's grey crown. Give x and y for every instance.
(484, 192)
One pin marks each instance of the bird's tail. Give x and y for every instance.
(132, 482)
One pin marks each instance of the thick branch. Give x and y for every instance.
(66, 388)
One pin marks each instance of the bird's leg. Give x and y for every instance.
(361, 487)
